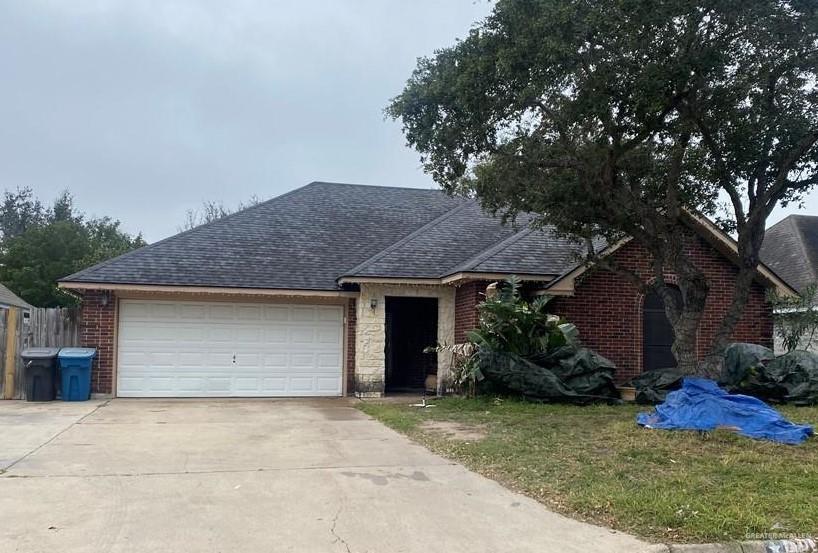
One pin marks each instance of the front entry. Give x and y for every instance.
(411, 326)
(657, 333)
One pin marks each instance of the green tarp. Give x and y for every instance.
(568, 374)
(653, 386)
(754, 370)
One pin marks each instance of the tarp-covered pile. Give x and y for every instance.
(701, 405)
(755, 370)
(571, 373)
(522, 349)
(748, 369)
(653, 386)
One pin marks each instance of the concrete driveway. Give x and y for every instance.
(252, 476)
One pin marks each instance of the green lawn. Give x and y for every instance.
(595, 464)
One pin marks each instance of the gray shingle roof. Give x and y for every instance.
(9, 298)
(440, 247)
(536, 251)
(308, 238)
(790, 249)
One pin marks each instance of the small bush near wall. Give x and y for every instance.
(796, 320)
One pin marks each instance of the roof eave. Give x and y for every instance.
(564, 284)
(449, 279)
(222, 290)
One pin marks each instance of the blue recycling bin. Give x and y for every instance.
(75, 373)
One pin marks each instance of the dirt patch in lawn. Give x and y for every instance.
(455, 430)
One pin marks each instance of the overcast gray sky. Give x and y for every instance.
(142, 109)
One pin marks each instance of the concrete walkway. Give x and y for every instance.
(253, 476)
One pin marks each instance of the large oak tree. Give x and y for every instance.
(614, 118)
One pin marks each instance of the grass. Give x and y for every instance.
(596, 464)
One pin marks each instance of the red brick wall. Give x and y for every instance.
(98, 331)
(466, 298)
(352, 319)
(607, 308)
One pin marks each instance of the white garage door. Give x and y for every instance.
(212, 349)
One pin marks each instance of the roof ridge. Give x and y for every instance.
(183, 233)
(360, 185)
(490, 251)
(395, 245)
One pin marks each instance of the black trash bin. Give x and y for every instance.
(40, 368)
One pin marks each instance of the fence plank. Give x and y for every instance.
(9, 371)
(47, 327)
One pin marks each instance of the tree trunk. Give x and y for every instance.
(741, 294)
(685, 318)
(684, 343)
(748, 251)
(694, 295)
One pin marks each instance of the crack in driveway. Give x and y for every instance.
(332, 529)
(8, 467)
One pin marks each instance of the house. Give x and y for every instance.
(790, 248)
(334, 289)
(10, 299)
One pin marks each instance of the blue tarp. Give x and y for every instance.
(701, 405)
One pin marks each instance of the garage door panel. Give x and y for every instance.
(329, 361)
(249, 313)
(329, 337)
(200, 349)
(303, 314)
(277, 313)
(330, 315)
(222, 312)
(274, 386)
(276, 361)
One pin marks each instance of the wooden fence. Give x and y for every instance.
(52, 327)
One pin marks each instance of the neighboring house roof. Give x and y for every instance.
(10, 299)
(790, 248)
(324, 235)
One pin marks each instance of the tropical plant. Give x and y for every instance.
(511, 324)
(464, 370)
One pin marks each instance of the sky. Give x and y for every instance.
(143, 110)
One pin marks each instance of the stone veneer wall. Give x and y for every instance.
(370, 331)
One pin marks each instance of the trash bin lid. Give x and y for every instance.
(77, 353)
(39, 353)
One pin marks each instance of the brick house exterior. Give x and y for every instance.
(607, 308)
(98, 330)
(299, 298)
(466, 299)
(351, 325)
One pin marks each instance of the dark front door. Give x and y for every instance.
(657, 333)
(411, 326)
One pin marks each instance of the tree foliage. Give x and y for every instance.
(796, 318)
(211, 211)
(624, 117)
(41, 245)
